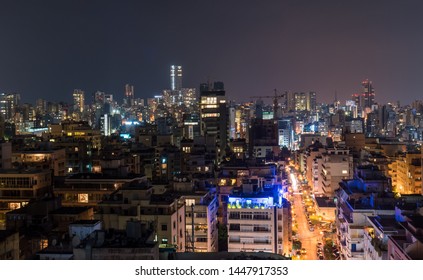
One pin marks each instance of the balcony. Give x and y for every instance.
(248, 206)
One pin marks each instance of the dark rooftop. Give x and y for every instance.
(69, 210)
(386, 223)
(85, 222)
(325, 202)
(5, 234)
(22, 171)
(164, 199)
(99, 176)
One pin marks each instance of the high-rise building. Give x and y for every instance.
(175, 77)
(258, 218)
(214, 116)
(41, 106)
(9, 103)
(129, 95)
(105, 121)
(368, 95)
(285, 133)
(99, 98)
(365, 99)
(300, 101)
(78, 100)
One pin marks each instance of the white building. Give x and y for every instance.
(258, 220)
(337, 165)
(357, 200)
(201, 222)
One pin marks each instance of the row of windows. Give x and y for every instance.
(249, 228)
(10, 182)
(249, 215)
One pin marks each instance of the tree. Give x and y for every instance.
(222, 237)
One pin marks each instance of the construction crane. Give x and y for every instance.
(275, 101)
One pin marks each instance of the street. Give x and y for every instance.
(308, 239)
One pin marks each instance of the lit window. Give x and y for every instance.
(83, 198)
(189, 202)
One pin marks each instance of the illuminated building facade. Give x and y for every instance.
(175, 77)
(18, 187)
(88, 189)
(336, 165)
(129, 95)
(41, 159)
(300, 101)
(366, 99)
(78, 100)
(9, 103)
(286, 134)
(214, 117)
(406, 173)
(258, 219)
(201, 211)
(357, 199)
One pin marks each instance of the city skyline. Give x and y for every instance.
(50, 50)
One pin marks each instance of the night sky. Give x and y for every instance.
(48, 48)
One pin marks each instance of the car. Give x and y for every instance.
(298, 253)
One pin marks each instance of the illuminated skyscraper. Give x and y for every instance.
(214, 116)
(175, 77)
(368, 95)
(365, 99)
(8, 105)
(300, 101)
(129, 95)
(78, 100)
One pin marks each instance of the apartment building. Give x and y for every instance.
(87, 189)
(406, 173)
(18, 187)
(368, 194)
(136, 202)
(258, 220)
(336, 165)
(408, 246)
(9, 245)
(376, 236)
(201, 222)
(41, 159)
